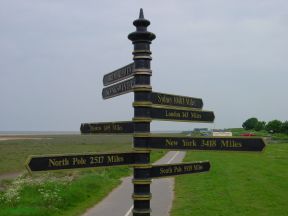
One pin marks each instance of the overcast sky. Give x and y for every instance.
(54, 53)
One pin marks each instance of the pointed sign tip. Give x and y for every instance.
(141, 14)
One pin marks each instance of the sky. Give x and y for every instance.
(54, 54)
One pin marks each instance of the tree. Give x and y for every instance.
(284, 127)
(260, 125)
(250, 123)
(274, 126)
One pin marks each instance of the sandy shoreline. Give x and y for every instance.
(5, 138)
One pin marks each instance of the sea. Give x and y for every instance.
(15, 133)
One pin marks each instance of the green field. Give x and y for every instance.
(238, 184)
(13, 153)
(64, 193)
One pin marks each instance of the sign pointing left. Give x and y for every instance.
(118, 89)
(107, 127)
(119, 74)
(74, 161)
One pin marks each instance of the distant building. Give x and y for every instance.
(207, 132)
(222, 133)
(201, 130)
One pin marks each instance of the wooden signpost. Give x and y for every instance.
(148, 106)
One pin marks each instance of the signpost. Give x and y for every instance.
(107, 127)
(119, 74)
(181, 115)
(75, 161)
(161, 171)
(118, 89)
(175, 100)
(202, 143)
(148, 106)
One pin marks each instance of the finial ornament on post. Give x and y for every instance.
(141, 14)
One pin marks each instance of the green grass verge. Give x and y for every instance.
(238, 184)
(64, 192)
(56, 194)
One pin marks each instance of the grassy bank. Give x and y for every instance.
(238, 184)
(13, 153)
(65, 192)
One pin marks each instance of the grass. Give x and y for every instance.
(238, 184)
(64, 193)
(13, 153)
(60, 195)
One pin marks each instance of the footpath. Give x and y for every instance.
(119, 201)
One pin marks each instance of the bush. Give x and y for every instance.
(284, 127)
(260, 125)
(250, 123)
(274, 126)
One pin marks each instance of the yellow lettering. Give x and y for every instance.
(230, 144)
(188, 168)
(208, 143)
(189, 143)
(171, 142)
(197, 167)
(78, 161)
(106, 128)
(115, 159)
(96, 159)
(195, 115)
(117, 127)
(177, 169)
(164, 99)
(172, 114)
(57, 163)
(185, 114)
(166, 170)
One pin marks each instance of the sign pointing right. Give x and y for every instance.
(204, 143)
(160, 171)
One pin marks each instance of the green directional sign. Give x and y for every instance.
(160, 171)
(204, 143)
(74, 161)
(118, 89)
(186, 115)
(107, 127)
(175, 100)
(118, 75)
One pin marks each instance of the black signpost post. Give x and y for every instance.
(148, 106)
